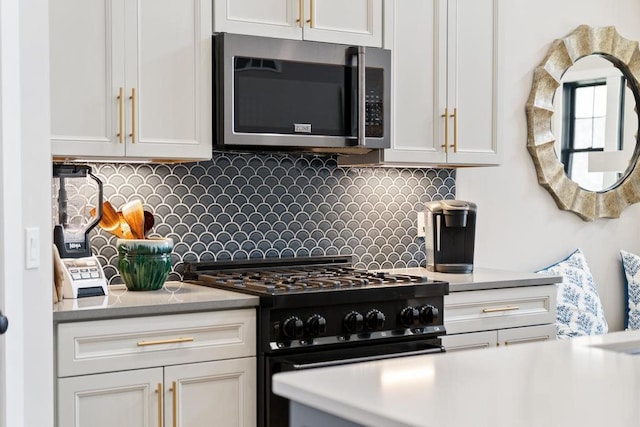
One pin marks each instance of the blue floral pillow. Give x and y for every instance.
(579, 310)
(631, 266)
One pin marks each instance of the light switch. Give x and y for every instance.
(32, 247)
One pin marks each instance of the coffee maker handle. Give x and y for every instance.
(99, 207)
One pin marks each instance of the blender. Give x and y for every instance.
(76, 187)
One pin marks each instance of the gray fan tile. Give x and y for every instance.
(239, 206)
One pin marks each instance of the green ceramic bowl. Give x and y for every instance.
(144, 264)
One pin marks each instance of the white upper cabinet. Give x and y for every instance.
(357, 22)
(472, 82)
(445, 60)
(131, 79)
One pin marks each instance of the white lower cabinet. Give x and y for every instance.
(499, 317)
(124, 399)
(504, 337)
(185, 370)
(221, 393)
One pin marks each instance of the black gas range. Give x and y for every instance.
(320, 311)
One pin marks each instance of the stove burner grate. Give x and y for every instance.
(306, 279)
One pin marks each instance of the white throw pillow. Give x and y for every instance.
(579, 309)
(631, 266)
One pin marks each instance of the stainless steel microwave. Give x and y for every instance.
(293, 95)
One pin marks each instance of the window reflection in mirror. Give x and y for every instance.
(598, 124)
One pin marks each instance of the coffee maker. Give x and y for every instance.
(450, 231)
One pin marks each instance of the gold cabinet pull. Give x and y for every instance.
(121, 114)
(133, 115)
(174, 390)
(159, 391)
(300, 19)
(311, 21)
(455, 130)
(496, 309)
(167, 341)
(446, 130)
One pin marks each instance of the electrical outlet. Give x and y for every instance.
(422, 232)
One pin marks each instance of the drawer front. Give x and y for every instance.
(526, 335)
(472, 341)
(142, 342)
(492, 309)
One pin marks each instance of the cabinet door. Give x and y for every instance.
(86, 71)
(356, 22)
(527, 334)
(413, 32)
(221, 393)
(268, 18)
(123, 399)
(471, 341)
(168, 73)
(472, 86)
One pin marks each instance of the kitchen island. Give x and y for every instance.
(590, 381)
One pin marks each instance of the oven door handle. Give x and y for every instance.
(299, 366)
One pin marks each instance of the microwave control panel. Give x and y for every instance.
(374, 100)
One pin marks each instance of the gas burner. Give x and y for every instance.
(275, 279)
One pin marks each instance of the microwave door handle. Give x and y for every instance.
(361, 64)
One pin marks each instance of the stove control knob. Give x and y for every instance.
(408, 316)
(374, 320)
(293, 328)
(316, 325)
(428, 315)
(353, 322)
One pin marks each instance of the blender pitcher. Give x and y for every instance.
(76, 189)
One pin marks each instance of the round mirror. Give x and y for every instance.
(583, 122)
(596, 123)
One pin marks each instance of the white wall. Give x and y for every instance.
(519, 224)
(36, 211)
(25, 201)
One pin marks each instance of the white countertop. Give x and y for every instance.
(555, 383)
(482, 278)
(173, 297)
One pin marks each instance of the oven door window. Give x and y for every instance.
(288, 97)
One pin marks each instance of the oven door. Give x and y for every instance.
(275, 409)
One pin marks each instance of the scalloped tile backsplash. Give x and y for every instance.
(241, 206)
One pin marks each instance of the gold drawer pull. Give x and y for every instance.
(160, 399)
(455, 130)
(121, 114)
(133, 115)
(169, 341)
(300, 19)
(446, 130)
(312, 20)
(507, 308)
(174, 389)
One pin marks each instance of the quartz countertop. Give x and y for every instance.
(174, 297)
(587, 382)
(482, 278)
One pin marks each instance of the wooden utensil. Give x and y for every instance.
(124, 227)
(149, 220)
(133, 214)
(110, 221)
